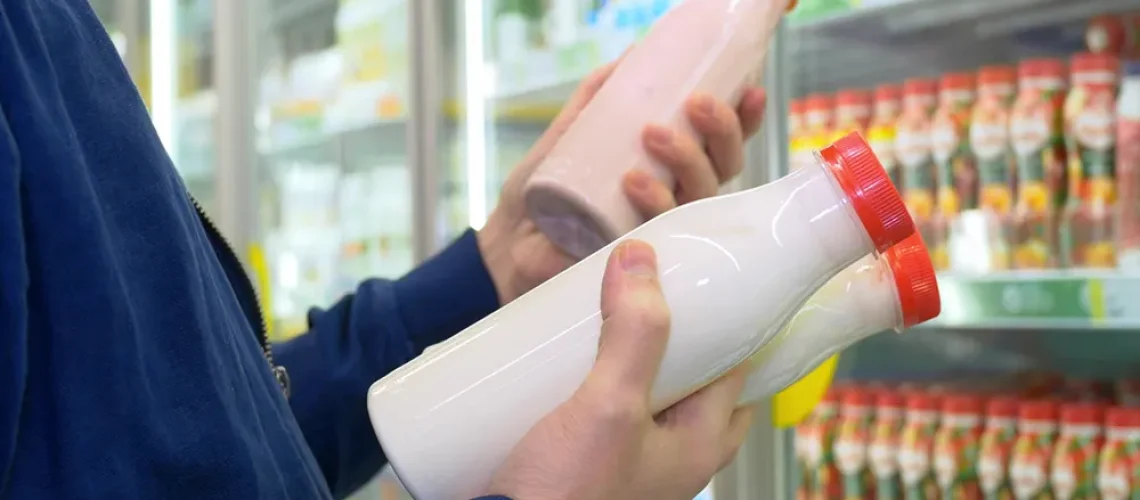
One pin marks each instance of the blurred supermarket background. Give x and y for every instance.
(340, 139)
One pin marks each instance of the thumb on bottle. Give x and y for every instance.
(635, 324)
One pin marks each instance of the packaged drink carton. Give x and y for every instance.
(1072, 473)
(881, 130)
(1118, 476)
(956, 448)
(1128, 169)
(1037, 135)
(1087, 238)
(816, 440)
(989, 140)
(913, 152)
(856, 415)
(884, 445)
(852, 113)
(1033, 450)
(916, 447)
(751, 260)
(996, 447)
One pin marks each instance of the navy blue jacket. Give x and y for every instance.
(129, 358)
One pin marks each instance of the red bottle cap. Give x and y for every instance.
(919, 86)
(921, 401)
(796, 106)
(874, 198)
(998, 74)
(1002, 407)
(1041, 68)
(818, 102)
(915, 282)
(959, 80)
(887, 92)
(1037, 409)
(889, 399)
(857, 397)
(1082, 414)
(1090, 62)
(962, 404)
(852, 97)
(1119, 417)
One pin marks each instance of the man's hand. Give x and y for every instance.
(519, 257)
(604, 443)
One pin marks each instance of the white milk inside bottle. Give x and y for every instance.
(733, 270)
(893, 291)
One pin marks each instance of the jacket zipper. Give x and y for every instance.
(279, 372)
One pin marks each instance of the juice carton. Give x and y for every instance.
(856, 416)
(1033, 449)
(1073, 468)
(996, 447)
(956, 448)
(1087, 237)
(916, 447)
(1037, 133)
(1119, 474)
(884, 447)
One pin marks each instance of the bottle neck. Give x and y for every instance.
(815, 217)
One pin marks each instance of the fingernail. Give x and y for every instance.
(660, 136)
(638, 258)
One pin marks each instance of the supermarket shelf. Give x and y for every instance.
(924, 37)
(1057, 300)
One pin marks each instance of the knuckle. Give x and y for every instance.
(619, 411)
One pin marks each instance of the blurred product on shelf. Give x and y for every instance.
(1128, 169)
(815, 440)
(1090, 115)
(1114, 34)
(1116, 476)
(913, 151)
(856, 415)
(995, 448)
(956, 447)
(852, 113)
(884, 443)
(1032, 450)
(916, 446)
(990, 145)
(956, 174)
(881, 130)
(800, 152)
(1037, 136)
(819, 114)
(1072, 472)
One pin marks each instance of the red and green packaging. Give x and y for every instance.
(1072, 472)
(884, 446)
(856, 416)
(815, 438)
(956, 448)
(1087, 229)
(996, 447)
(1119, 472)
(916, 447)
(1033, 450)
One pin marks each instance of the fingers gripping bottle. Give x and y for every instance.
(877, 293)
(714, 47)
(750, 259)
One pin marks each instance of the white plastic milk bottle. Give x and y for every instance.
(733, 270)
(715, 47)
(896, 290)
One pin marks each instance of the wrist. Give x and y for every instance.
(494, 248)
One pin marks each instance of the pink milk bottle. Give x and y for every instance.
(715, 47)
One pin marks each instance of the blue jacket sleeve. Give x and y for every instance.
(366, 335)
(13, 305)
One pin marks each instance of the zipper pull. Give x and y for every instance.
(282, 376)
